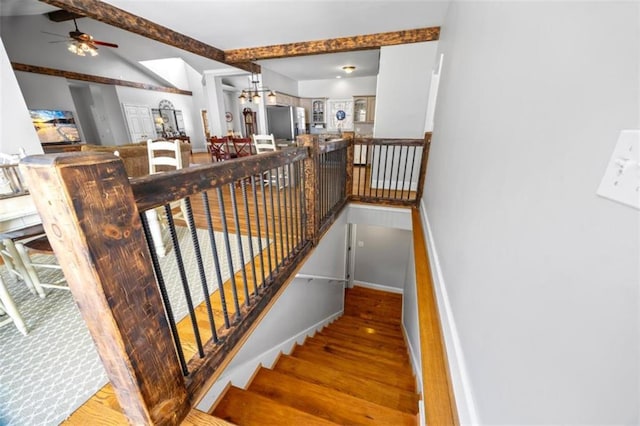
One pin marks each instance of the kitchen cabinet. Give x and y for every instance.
(364, 108)
(317, 111)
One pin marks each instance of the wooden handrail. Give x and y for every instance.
(439, 401)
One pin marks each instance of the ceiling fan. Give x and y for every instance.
(82, 43)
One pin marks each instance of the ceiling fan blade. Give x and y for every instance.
(104, 43)
(59, 41)
(54, 34)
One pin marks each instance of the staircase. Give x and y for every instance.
(354, 371)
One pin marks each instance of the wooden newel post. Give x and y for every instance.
(423, 166)
(92, 222)
(349, 181)
(311, 186)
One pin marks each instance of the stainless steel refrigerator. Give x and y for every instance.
(285, 122)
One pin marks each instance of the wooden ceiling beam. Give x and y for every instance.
(71, 75)
(111, 15)
(333, 45)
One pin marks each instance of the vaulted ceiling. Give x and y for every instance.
(233, 24)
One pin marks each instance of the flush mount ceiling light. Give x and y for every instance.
(252, 93)
(348, 69)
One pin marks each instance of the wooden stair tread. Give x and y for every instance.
(365, 346)
(248, 408)
(376, 325)
(371, 371)
(360, 387)
(367, 332)
(356, 353)
(390, 347)
(325, 402)
(374, 294)
(199, 418)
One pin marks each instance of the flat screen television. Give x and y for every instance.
(55, 126)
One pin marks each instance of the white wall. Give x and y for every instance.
(16, 128)
(381, 255)
(403, 89)
(542, 274)
(278, 82)
(338, 88)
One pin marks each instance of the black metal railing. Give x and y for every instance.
(332, 176)
(217, 266)
(388, 170)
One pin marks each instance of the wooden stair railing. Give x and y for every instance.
(91, 214)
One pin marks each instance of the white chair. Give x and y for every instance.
(158, 153)
(267, 143)
(264, 143)
(9, 309)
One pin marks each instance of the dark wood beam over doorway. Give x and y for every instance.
(333, 45)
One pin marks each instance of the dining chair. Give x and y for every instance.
(242, 146)
(219, 148)
(267, 143)
(264, 143)
(8, 308)
(18, 248)
(164, 156)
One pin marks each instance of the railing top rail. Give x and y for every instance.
(333, 145)
(389, 141)
(156, 190)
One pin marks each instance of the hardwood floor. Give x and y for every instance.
(356, 371)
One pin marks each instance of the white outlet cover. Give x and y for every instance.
(621, 181)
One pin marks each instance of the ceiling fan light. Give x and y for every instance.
(93, 52)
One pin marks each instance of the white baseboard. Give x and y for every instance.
(457, 365)
(378, 287)
(241, 374)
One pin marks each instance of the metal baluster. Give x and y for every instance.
(290, 211)
(378, 172)
(280, 215)
(413, 161)
(225, 231)
(253, 260)
(273, 222)
(183, 277)
(258, 230)
(286, 214)
(203, 278)
(266, 226)
(384, 175)
(303, 201)
(216, 258)
(234, 206)
(294, 203)
(395, 193)
(164, 295)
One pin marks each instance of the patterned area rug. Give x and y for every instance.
(49, 373)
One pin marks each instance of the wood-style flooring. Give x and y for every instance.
(355, 371)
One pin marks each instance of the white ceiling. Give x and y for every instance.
(231, 24)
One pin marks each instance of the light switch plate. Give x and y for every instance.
(621, 181)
